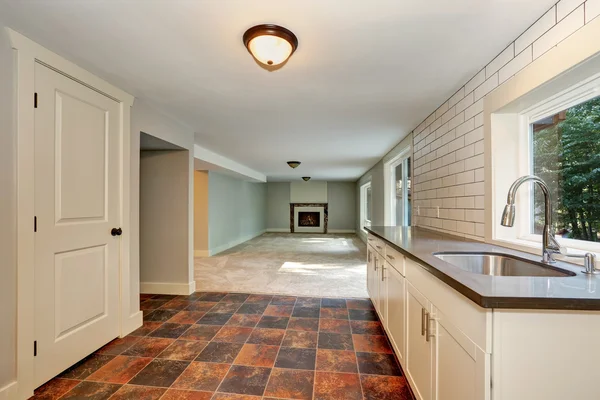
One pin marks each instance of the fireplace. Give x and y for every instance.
(308, 217)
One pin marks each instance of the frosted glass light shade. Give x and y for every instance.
(270, 50)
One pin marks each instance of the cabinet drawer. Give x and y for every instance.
(377, 244)
(395, 258)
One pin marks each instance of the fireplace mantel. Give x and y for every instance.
(292, 213)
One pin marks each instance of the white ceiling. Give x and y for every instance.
(365, 73)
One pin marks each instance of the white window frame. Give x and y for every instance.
(364, 222)
(390, 186)
(577, 94)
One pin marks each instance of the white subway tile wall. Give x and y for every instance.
(448, 191)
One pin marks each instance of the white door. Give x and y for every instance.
(76, 205)
(383, 289)
(396, 312)
(418, 346)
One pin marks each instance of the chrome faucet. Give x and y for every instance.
(549, 244)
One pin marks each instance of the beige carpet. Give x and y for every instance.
(283, 263)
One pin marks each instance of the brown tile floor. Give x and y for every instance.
(236, 346)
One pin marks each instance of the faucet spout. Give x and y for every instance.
(549, 244)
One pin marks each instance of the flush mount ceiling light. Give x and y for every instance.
(293, 164)
(270, 45)
(306, 178)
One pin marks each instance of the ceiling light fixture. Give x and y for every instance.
(293, 164)
(269, 44)
(306, 178)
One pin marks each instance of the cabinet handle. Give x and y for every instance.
(390, 257)
(427, 326)
(376, 259)
(379, 247)
(369, 256)
(423, 313)
(382, 272)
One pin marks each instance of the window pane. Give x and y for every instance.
(398, 188)
(368, 205)
(566, 155)
(408, 199)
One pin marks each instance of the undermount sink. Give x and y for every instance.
(495, 264)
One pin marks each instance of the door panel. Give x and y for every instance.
(77, 158)
(382, 281)
(397, 312)
(418, 350)
(457, 370)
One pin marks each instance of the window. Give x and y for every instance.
(365, 205)
(565, 153)
(399, 183)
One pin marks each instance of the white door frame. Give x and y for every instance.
(389, 195)
(26, 54)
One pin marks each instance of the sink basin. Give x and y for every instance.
(495, 264)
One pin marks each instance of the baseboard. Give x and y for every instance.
(168, 288)
(341, 231)
(9, 392)
(234, 243)
(201, 253)
(279, 230)
(132, 323)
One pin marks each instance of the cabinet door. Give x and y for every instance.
(396, 312)
(382, 282)
(419, 349)
(374, 282)
(462, 368)
(370, 257)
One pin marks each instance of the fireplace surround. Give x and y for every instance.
(310, 209)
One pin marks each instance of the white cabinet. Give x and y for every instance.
(382, 282)
(396, 311)
(373, 260)
(419, 346)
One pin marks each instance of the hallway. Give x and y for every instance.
(317, 265)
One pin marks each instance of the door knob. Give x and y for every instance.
(116, 231)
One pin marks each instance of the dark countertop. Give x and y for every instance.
(579, 292)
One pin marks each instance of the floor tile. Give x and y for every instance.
(259, 298)
(148, 347)
(133, 392)
(290, 384)
(214, 319)
(192, 297)
(176, 305)
(257, 355)
(304, 324)
(203, 306)
(120, 369)
(385, 388)
(160, 373)
(333, 303)
(337, 386)
(290, 357)
(242, 379)
(335, 341)
(216, 352)
(359, 304)
(164, 296)
(234, 396)
(119, 345)
(146, 328)
(201, 332)
(184, 350)
(252, 308)
(266, 336)
(248, 320)
(334, 326)
(187, 317)
(284, 300)
(273, 322)
(54, 389)
(92, 391)
(305, 312)
(160, 315)
(366, 328)
(177, 394)
(362, 315)
(334, 313)
(202, 376)
(302, 339)
(152, 304)
(377, 364)
(86, 367)
(235, 298)
(226, 308)
(336, 360)
(169, 330)
(145, 296)
(371, 343)
(308, 302)
(215, 297)
(279, 311)
(233, 334)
